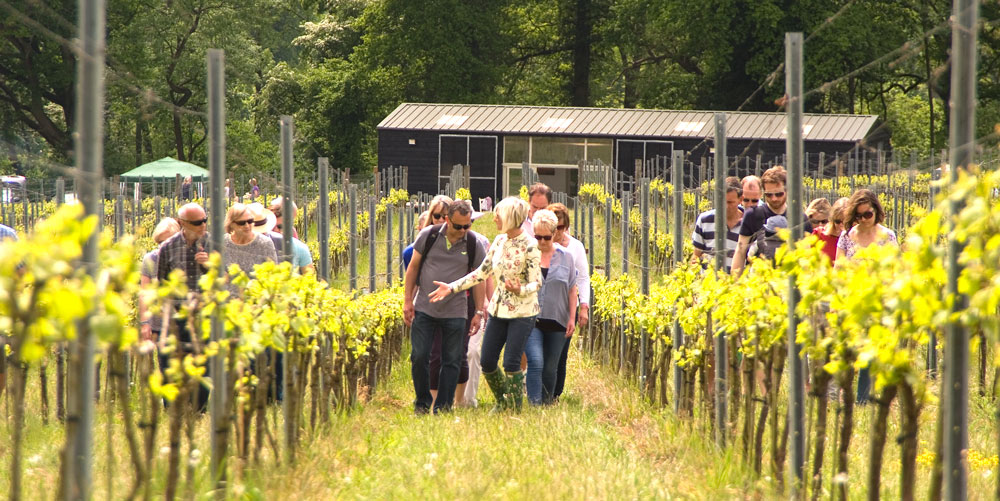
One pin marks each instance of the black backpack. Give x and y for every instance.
(470, 248)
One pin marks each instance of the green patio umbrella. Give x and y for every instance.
(165, 168)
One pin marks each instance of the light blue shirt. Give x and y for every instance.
(300, 254)
(7, 232)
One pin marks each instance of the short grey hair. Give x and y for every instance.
(545, 218)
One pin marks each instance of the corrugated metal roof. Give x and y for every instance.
(508, 119)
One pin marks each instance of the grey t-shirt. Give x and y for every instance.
(446, 263)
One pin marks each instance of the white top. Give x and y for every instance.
(579, 254)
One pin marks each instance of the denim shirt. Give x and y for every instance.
(554, 294)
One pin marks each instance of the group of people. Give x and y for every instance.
(183, 244)
(756, 209)
(522, 295)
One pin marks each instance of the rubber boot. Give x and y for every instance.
(497, 383)
(515, 388)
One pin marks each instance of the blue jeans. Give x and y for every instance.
(512, 332)
(421, 340)
(544, 348)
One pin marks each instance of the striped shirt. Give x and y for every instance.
(704, 237)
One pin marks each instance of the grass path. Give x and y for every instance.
(600, 442)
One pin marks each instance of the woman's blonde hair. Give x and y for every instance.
(546, 219)
(512, 212)
(819, 206)
(422, 219)
(839, 211)
(166, 228)
(235, 211)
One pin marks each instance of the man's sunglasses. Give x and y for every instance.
(750, 201)
(778, 194)
(196, 222)
(544, 237)
(439, 216)
(461, 226)
(867, 215)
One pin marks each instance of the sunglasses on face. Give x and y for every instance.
(196, 222)
(439, 216)
(461, 226)
(544, 237)
(838, 221)
(867, 214)
(778, 194)
(751, 201)
(562, 227)
(817, 222)
(245, 222)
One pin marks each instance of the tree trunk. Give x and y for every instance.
(878, 441)
(128, 423)
(910, 408)
(846, 429)
(18, 385)
(821, 385)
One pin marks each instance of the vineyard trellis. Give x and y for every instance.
(888, 307)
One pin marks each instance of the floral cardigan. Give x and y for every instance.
(518, 257)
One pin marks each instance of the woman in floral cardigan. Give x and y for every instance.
(515, 264)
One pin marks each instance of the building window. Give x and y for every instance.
(557, 150)
(515, 149)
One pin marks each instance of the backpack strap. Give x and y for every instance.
(427, 248)
(470, 249)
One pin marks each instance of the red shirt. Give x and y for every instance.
(829, 243)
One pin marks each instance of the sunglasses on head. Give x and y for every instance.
(751, 201)
(439, 216)
(777, 194)
(544, 237)
(461, 226)
(867, 214)
(196, 222)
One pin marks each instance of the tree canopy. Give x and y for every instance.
(339, 66)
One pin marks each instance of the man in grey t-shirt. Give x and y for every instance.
(447, 260)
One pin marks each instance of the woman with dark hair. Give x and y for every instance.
(864, 223)
(864, 220)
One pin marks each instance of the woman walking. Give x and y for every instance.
(556, 319)
(246, 240)
(864, 220)
(514, 263)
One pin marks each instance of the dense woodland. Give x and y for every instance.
(339, 66)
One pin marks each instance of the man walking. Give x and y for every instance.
(186, 251)
(762, 222)
(704, 227)
(443, 253)
(539, 197)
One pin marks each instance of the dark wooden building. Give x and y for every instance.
(495, 140)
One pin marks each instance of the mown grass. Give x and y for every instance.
(600, 442)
